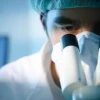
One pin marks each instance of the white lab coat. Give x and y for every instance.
(29, 78)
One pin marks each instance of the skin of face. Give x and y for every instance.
(72, 21)
(69, 21)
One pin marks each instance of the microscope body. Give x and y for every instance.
(72, 79)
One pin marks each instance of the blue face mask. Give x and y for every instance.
(89, 49)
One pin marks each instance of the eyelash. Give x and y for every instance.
(67, 28)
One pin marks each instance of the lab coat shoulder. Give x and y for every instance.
(18, 78)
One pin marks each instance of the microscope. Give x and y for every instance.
(72, 80)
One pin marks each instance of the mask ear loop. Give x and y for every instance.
(96, 80)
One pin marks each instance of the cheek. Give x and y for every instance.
(53, 32)
(56, 37)
(56, 34)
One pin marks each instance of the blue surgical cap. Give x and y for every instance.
(44, 5)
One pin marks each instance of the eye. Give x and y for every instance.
(68, 28)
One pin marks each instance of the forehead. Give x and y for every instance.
(83, 14)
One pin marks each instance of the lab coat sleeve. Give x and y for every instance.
(17, 79)
(7, 89)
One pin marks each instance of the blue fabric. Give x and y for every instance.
(3, 50)
(43, 5)
(89, 48)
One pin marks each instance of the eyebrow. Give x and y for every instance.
(63, 20)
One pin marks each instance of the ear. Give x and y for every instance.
(42, 18)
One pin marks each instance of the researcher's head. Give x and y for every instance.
(61, 17)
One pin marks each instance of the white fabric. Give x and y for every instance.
(97, 72)
(29, 78)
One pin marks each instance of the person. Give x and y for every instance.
(35, 77)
